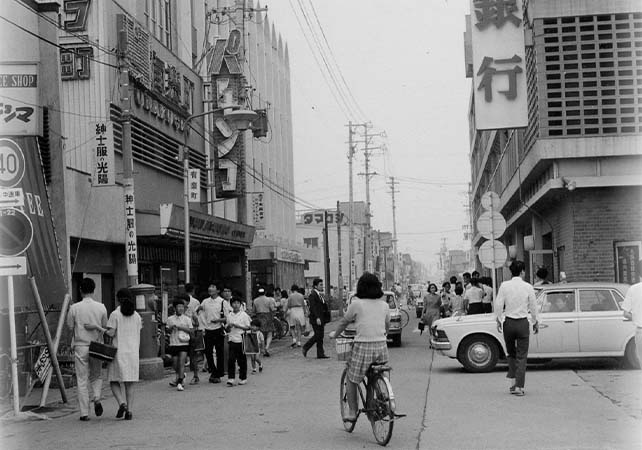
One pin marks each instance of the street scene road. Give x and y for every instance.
(294, 404)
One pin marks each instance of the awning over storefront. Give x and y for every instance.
(203, 227)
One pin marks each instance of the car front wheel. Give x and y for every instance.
(478, 354)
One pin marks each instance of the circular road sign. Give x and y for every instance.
(492, 254)
(12, 163)
(16, 232)
(491, 227)
(490, 199)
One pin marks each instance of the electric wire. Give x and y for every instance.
(57, 45)
(324, 58)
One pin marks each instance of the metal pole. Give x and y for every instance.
(394, 229)
(367, 238)
(14, 348)
(492, 236)
(350, 209)
(339, 256)
(326, 255)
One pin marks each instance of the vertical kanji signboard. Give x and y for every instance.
(499, 64)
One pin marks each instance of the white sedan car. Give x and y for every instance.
(577, 320)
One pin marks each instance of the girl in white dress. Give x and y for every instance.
(124, 326)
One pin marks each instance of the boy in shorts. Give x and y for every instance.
(255, 327)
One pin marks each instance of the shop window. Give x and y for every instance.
(311, 242)
(627, 255)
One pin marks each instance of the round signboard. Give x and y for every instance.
(492, 254)
(12, 163)
(490, 199)
(16, 232)
(491, 227)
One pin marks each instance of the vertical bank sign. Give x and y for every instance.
(19, 111)
(499, 64)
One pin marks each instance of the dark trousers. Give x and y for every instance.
(236, 356)
(516, 336)
(319, 330)
(214, 339)
(475, 308)
(487, 307)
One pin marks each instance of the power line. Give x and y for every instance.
(356, 104)
(57, 45)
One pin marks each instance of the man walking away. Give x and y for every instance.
(87, 319)
(319, 316)
(514, 300)
(632, 308)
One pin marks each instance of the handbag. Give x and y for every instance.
(198, 341)
(183, 337)
(102, 351)
(250, 344)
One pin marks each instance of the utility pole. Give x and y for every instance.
(326, 256)
(350, 207)
(393, 191)
(339, 256)
(131, 242)
(367, 254)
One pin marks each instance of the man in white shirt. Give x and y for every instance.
(191, 311)
(87, 320)
(632, 307)
(514, 301)
(214, 311)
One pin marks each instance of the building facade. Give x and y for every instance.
(570, 183)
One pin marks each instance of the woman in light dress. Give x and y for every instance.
(295, 312)
(432, 305)
(124, 326)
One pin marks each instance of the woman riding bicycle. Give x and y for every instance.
(371, 315)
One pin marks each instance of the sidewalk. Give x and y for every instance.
(559, 410)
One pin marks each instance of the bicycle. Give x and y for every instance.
(378, 401)
(405, 317)
(281, 326)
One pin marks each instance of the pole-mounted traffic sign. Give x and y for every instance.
(16, 232)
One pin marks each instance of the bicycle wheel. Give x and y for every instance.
(278, 332)
(343, 402)
(286, 327)
(405, 317)
(381, 410)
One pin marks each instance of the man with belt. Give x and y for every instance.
(514, 301)
(214, 315)
(632, 308)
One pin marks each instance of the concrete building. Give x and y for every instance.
(570, 183)
(263, 166)
(309, 230)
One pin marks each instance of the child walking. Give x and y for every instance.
(181, 329)
(238, 322)
(255, 359)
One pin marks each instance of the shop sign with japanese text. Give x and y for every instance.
(194, 180)
(499, 64)
(258, 210)
(130, 230)
(19, 111)
(316, 218)
(103, 149)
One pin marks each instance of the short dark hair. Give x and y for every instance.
(179, 300)
(189, 288)
(459, 289)
(431, 285)
(466, 275)
(87, 286)
(475, 274)
(445, 283)
(516, 267)
(542, 273)
(235, 299)
(369, 286)
(127, 305)
(255, 322)
(316, 282)
(453, 280)
(294, 288)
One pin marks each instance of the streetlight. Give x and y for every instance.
(240, 119)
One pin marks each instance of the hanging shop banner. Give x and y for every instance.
(194, 184)
(258, 210)
(20, 114)
(103, 150)
(130, 230)
(42, 254)
(499, 64)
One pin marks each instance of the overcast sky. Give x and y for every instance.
(404, 64)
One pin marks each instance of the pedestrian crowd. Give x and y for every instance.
(194, 329)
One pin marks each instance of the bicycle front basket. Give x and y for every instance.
(344, 348)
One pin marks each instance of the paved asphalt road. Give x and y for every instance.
(293, 404)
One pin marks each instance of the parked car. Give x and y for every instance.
(394, 332)
(577, 320)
